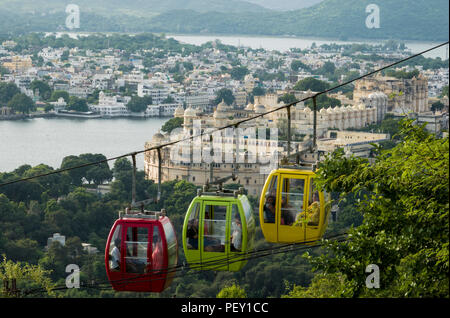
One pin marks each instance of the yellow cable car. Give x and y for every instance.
(291, 209)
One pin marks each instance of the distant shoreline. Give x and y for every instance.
(245, 35)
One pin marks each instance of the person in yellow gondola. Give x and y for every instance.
(269, 209)
(312, 214)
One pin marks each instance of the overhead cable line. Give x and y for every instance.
(217, 262)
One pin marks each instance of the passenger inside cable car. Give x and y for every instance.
(236, 236)
(219, 225)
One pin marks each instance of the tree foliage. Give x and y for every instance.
(139, 104)
(405, 229)
(21, 103)
(171, 124)
(310, 83)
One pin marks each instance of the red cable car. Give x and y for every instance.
(141, 250)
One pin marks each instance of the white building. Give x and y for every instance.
(162, 110)
(199, 100)
(61, 239)
(111, 106)
(60, 104)
(157, 93)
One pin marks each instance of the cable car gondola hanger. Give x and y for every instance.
(141, 245)
(219, 226)
(291, 209)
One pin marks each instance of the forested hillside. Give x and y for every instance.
(395, 210)
(425, 20)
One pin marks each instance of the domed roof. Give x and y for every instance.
(190, 112)
(158, 137)
(307, 110)
(222, 107)
(179, 111)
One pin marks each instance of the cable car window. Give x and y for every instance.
(214, 228)
(192, 228)
(313, 211)
(236, 228)
(157, 250)
(270, 203)
(171, 243)
(291, 200)
(247, 208)
(114, 250)
(136, 246)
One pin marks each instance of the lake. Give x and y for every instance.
(49, 140)
(285, 43)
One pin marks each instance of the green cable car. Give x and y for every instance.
(218, 230)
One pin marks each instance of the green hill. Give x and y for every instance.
(142, 8)
(343, 19)
(423, 20)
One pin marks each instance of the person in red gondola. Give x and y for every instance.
(157, 255)
(114, 261)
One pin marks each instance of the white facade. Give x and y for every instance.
(111, 106)
(162, 110)
(157, 93)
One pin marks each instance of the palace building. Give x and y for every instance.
(177, 163)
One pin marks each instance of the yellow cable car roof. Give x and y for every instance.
(293, 170)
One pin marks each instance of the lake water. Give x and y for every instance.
(285, 43)
(49, 140)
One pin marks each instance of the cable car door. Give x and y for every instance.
(192, 248)
(290, 203)
(237, 236)
(137, 256)
(214, 233)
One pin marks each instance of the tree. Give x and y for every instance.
(405, 218)
(287, 98)
(310, 83)
(97, 173)
(297, 64)
(77, 174)
(21, 103)
(7, 92)
(23, 272)
(139, 104)
(224, 94)
(444, 91)
(171, 124)
(323, 101)
(232, 291)
(122, 165)
(436, 106)
(322, 286)
(57, 94)
(77, 104)
(43, 88)
(258, 91)
(238, 72)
